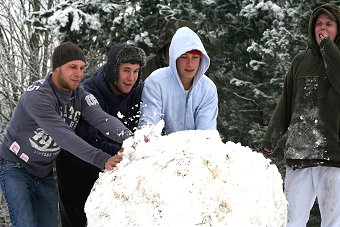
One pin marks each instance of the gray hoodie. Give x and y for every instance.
(43, 124)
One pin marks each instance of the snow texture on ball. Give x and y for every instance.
(188, 178)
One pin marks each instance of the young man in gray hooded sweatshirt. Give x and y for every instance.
(43, 123)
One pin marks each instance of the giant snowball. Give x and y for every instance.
(188, 178)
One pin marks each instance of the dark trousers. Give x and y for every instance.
(74, 187)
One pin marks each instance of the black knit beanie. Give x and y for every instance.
(66, 52)
(123, 53)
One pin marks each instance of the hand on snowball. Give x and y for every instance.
(113, 161)
(267, 150)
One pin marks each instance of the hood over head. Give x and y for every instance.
(333, 12)
(123, 53)
(183, 41)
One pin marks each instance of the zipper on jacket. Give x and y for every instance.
(186, 108)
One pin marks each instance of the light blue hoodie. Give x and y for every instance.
(164, 96)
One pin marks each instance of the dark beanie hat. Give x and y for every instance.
(66, 52)
(123, 53)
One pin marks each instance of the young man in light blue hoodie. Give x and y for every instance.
(181, 94)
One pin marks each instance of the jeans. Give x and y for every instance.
(32, 201)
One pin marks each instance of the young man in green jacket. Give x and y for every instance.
(306, 123)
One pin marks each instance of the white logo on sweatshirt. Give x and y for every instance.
(91, 100)
(34, 87)
(44, 143)
(70, 116)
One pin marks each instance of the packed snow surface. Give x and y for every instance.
(188, 178)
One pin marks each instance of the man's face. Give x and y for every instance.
(187, 65)
(69, 75)
(127, 77)
(325, 27)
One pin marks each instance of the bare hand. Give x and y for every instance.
(113, 161)
(267, 150)
(323, 34)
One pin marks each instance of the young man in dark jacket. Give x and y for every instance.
(306, 121)
(42, 124)
(117, 87)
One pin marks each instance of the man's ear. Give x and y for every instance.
(57, 69)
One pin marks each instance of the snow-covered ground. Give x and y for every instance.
(188, 178)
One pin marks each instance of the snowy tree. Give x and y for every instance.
(92, 25)
(251, 44)
(24, 57)
(268, 35)
(23, 53)
(277, 47)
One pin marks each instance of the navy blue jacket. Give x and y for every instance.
(125, 108)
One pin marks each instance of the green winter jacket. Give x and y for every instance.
(306, 120)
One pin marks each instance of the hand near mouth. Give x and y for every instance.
(323, 34)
